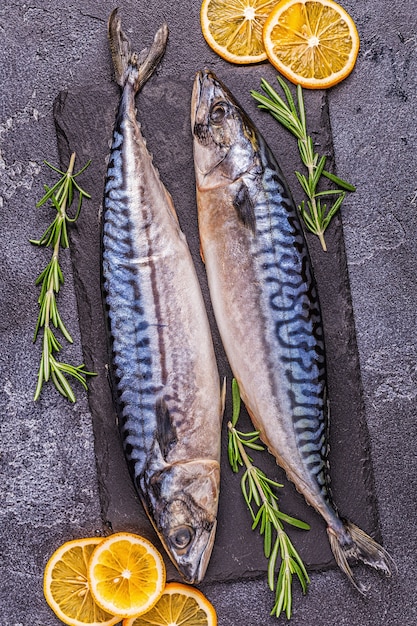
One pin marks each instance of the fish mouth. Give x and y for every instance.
(195, 574)
(205, 557)
(196, 96)
(201, 97)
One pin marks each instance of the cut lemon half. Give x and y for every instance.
(179, 605)
(312, 42)
(66, 587)
(233, 28)
(126, 575)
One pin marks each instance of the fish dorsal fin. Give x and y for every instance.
(165, 430)
(244, 207)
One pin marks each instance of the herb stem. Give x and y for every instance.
(259, 489)
(51, 279)
(316, 215)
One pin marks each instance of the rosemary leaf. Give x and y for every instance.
(334, 209)
(292, 520)
(272, 482)
(236, 401)
(253, 446)
(318, 171)
(272, 565)
(267, 538)
(339, 181)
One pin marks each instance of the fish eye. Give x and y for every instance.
(181, 537)
(218, 113)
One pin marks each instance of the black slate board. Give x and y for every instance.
(84, 121)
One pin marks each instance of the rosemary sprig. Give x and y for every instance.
(61, 196)
(262, 501)
(317, 215)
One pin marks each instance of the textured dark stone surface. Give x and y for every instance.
(84, 124)
(48, 478)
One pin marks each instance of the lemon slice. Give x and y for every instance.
(233, 28)
(66, 588)
(312, 42)
(126, 575)
(179, 605)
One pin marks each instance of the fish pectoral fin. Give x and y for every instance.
(244, 207)
(171, 206)
(202, 254)
(165, 431)
(223, 397)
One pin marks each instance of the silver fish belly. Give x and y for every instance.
(165, 375)
(266, 303)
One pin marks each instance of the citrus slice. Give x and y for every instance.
(179, 605)
(66, 588)
(233, 28)
(312, 42)
(126, 575)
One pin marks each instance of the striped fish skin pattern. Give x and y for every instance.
(165, 377)
(265, 300)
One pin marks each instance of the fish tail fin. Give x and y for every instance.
(128, 65)
(350, 543)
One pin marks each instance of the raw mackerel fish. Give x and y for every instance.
(266, 304)
(165, 375)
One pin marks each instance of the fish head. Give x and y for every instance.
(225, 140)
(182, 504)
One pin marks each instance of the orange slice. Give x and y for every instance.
(179, 605)
(233, 28)
(312, 42)
(66, 588)
(126, 575)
